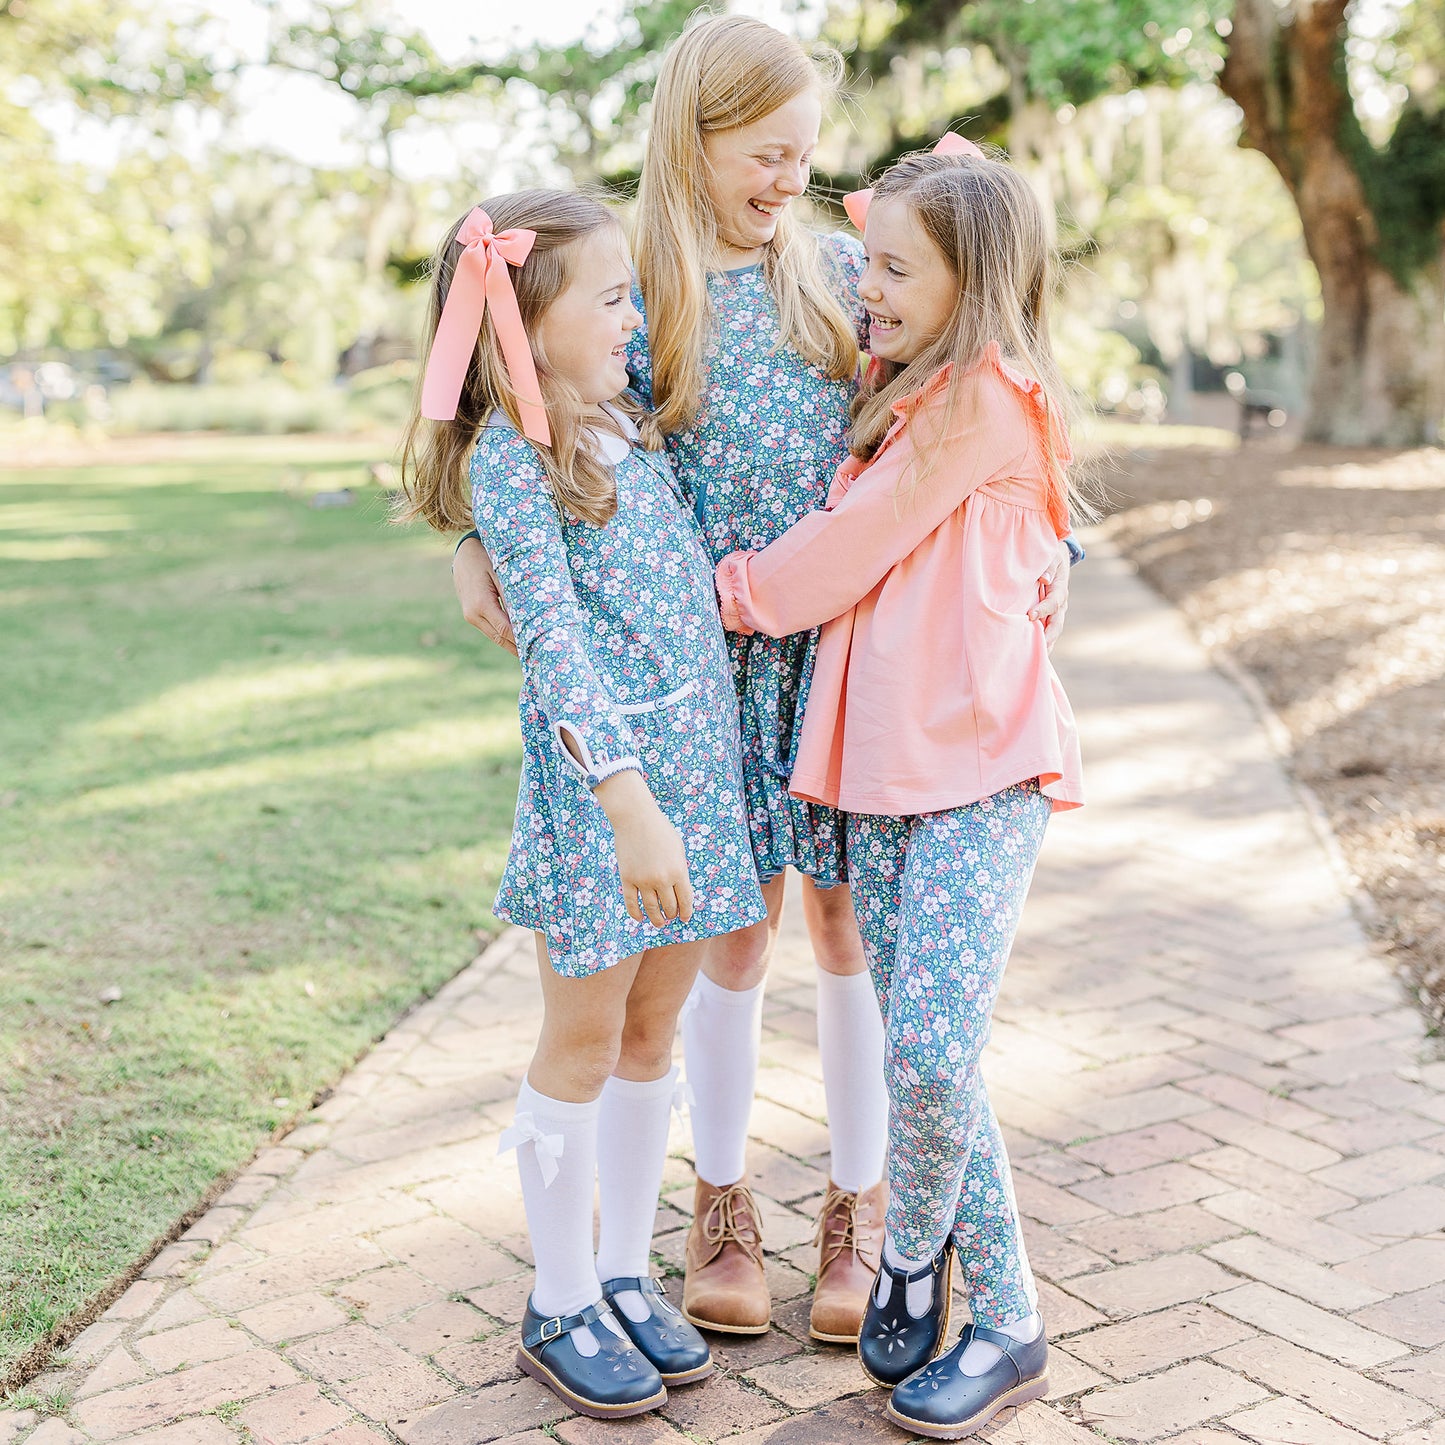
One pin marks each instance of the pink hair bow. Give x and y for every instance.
(949, 144)
(481, 277)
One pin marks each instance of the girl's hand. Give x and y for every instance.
(480, 596)
(650, 857)
(1053, 600)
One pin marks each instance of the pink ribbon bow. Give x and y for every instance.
(481, 277)
(949, 144)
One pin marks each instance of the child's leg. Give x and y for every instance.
(720, 1038)
(972, 868)
(956, 901)
(986, 1231)
(725, 1287)
(721, 1031)
(850, 1047)
(571, 1339)
(850, 1040)
(555, 1133)
(635, 1115)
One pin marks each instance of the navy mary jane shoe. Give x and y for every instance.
(892, 1344)
(942, 1403)
(679, 1354)
(618, 1380)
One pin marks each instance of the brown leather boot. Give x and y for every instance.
(724, 1288)
(850, 1248)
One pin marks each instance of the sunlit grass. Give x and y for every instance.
(255, 774)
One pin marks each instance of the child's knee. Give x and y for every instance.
(647, 1039)
(588, 1050)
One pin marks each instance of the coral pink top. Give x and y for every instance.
(932, 688)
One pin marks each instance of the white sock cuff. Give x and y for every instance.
(640, 1090)
(728, 997)
(844, 983)
(564, 1111)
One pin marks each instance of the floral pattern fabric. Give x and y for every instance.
(938, 897)
(761, 453)
(621, 649)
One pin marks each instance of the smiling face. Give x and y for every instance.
(583, 333)
(908, 288)
(756, 170)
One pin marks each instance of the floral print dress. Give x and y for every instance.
(621, 651)
(770, 433)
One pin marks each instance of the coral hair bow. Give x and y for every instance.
(949, 144)
(480, 278)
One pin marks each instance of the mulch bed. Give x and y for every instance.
(1321, 573)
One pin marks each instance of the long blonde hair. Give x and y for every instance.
(721, 73)
(436, 454)
(987, 224)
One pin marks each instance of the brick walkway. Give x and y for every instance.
(1228, 1139)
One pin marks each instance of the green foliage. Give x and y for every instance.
(1068, 52)
(368, 58)
(1405, 184)
(80, 263)
(255, 773)
(595, 90)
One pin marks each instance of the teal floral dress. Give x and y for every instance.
(770, 433)
(622, 651)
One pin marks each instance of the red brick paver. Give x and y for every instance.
(1228, 1132)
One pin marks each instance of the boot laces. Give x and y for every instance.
(732, 1219)
(838, 1227)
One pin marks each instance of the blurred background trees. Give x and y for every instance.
(1238, 185)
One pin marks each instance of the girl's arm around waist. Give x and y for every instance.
(519, 525)
(829, 560)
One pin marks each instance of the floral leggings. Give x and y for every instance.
(938, 897)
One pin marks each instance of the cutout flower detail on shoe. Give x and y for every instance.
(932, 1375)
(890, 1335)
(663, 1336)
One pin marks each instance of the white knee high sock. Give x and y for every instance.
(721, 1032)
(631, 1151)
(850, 1042)
(556, 1144)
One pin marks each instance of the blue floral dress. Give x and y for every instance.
(761, 453)
(621, 649)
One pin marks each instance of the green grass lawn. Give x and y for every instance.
(256, 774)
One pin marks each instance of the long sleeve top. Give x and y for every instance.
(932, 687)
(607, 619)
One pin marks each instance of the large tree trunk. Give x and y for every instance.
(1379, 375)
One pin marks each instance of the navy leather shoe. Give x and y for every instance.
(892, 1344)
(618, 1380)
(944, 1404)
(679, 1354)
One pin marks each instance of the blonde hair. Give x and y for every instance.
(987, 224)
(721, 73)
(436, 454)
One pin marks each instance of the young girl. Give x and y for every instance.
(749, 356)
(936, 721)
(630, 844)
